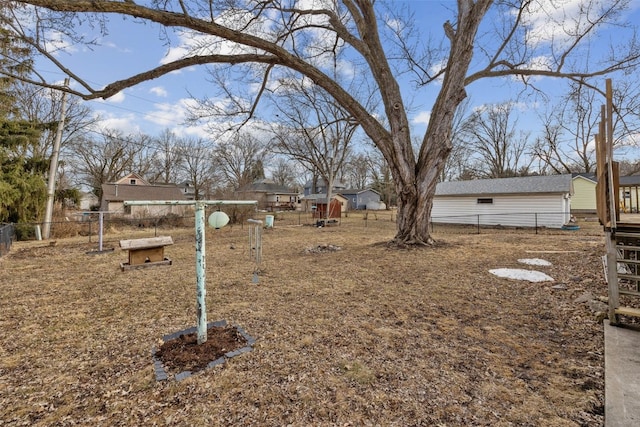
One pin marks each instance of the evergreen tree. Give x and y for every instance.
(22, 185)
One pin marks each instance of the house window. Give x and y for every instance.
(132, 181)
(485, 201)
(127, 210)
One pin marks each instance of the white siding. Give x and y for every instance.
(516, 210)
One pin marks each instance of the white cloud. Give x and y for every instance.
(118, 98)
(159, 91)
(541, 63)
(422, 118)
(56, 42)
(126, 123)
(168, 114)
(346, 69)
(395, 24)
(192, 43)
(557, 21)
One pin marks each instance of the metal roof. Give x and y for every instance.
(519, 185)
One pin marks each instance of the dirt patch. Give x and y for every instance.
(319, 249)
(185, 354)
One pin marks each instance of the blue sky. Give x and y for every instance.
(155, 105)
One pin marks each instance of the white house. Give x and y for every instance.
(519, 202)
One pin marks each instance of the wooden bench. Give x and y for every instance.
(145, 252)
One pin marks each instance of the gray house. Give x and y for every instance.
(362, 199)
(522, 201)
(321, 187)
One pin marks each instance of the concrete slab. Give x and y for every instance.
(622, 375)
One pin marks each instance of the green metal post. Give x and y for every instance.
(200, 248)
(200, 273)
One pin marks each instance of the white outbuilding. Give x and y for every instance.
(533, 201)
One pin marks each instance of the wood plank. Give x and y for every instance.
(628, 248)
(628, 261)
(141, 256)
(629, 292)
(149, 242)
(125, 266)
(628, 311)
(616, 188)
(628, 276)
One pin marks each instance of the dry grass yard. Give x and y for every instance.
(364, 335)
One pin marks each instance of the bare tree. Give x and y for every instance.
(315, 130)
(284, 173)
(567, 141)
(105, 157)
(492, 137)
(166, 160)
(197, 165)
(382, 181)
(358, 171)
(241, 158)
(42, 105)
(524, 38)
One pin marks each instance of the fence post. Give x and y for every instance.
(536, 215)
(478, 222)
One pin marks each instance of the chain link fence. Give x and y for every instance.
(7, 234)
(88, 225)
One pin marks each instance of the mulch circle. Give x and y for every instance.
(181, 354)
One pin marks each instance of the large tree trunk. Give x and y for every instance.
(416, 201)
(416, 188)
(414, 212)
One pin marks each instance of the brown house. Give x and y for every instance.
(134, 188)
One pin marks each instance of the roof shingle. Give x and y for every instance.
(518, 185)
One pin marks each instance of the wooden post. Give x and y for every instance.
(612, 255)
(53, 167)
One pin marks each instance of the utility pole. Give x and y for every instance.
(53, 167)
